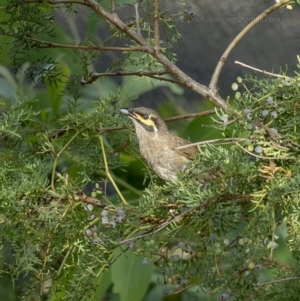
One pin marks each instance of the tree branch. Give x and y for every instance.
(262, 71)
(113, 6)
(83, 47)
(183, 78)
(137, 18)
(223, 59)
(187, 116)
(152, 74)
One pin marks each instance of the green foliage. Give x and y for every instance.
(229, 237)
(66, 235)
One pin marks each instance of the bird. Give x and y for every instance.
(157, 145)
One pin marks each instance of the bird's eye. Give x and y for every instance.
(146, 117)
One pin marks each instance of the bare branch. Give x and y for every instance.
(84, 47)
(262, 71)
(263, 157)
(187, 116)
(183, 78)
(152, 74)
(223, 59)
(137, 18)
(113, 6)
(228, 140)
(89, 200)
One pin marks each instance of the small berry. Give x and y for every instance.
(120, 219)
(224, 297)
(104, 212)
(265, 112)
(94, 228)
(89, 207)
(241, 241)
(190, 12)
(224, 119)
(183, 282)
(176, 257)
(112, 224)
(247, 110)
(213, 237)
(259, 267)
(114, 218)
(145, 262)
(131, 245)
(271, 101)
(96, 240)
(121, 212)
(258, 149)
(234, 86)
(226, 242)
(166, 291)
(104, 220)
(249, 116)
(251, 127)
(88, 232)
(251, 265)
(274, 114)
(90, 217)
(181, 244)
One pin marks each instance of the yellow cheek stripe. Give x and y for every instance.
(148, 122)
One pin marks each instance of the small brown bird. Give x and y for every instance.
(157, 145)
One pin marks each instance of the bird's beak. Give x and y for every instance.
(128, 112)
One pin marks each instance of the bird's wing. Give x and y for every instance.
(188, 152)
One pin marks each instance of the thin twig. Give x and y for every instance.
(89, 200)
(57, 157)
(108, 173)
(137, 18)
(262, 71)
(187, 116)
(84, 47)
(263, 157)
(113, 6)
(230, 140)
(156, 26)
(174, 81)
(236, 40)
(151, 74)
(278, 280)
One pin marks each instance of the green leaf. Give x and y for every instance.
(131, 279)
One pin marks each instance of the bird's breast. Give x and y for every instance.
(161, 157)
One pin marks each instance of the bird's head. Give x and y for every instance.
(146, 120)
